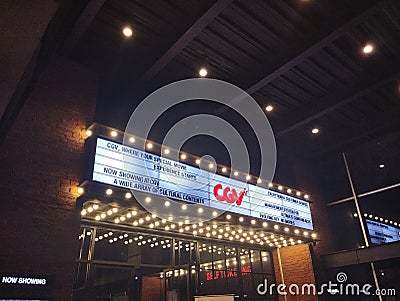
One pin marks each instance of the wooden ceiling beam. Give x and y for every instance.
(186, 38)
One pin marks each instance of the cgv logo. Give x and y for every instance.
(229, 195)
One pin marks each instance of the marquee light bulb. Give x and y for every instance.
(89, 133)
(114, 134)
(149, 145)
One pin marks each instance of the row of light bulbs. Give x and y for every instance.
(184, 156)
(195, 229)
(239, 235)
(153, 242)
(184, 207)
(377, 218)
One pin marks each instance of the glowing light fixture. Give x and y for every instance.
(127, 31)
(368, 48)
(203, 72)
(269, 108)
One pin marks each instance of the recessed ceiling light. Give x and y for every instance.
(381, 165)
(269, 108)
(203, 72)
(127, 31)
(315, 131)
(368, 48)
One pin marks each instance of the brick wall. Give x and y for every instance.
(41, 163)
(152, 288)
(297, 268)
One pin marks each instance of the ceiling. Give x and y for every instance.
(303, 57)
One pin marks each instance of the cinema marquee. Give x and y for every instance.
(215, 233)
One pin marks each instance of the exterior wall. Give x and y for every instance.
(23, 24)
(152, 289)
(308, 178)
(297, 268)
(42, 159)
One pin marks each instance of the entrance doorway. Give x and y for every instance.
(118, 264)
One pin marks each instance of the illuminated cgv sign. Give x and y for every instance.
(127, 167)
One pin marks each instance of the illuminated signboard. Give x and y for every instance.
(127, 167)
(23, 280)
(382, 233)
